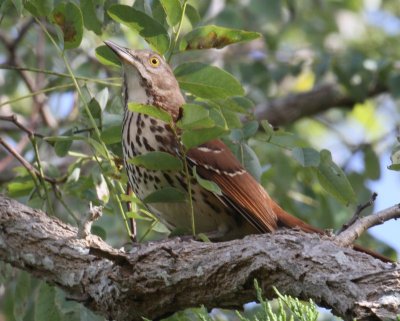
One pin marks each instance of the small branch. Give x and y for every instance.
(13, 119)
(85, 226)
(286, 110)
(34, 171)
(103, 81)
(348, 236)
(358, 211)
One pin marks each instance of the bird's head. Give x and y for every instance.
(148, 79)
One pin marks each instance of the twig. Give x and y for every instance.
(86, 224)
(34, 171)
(13, 119)
(359, 209)
(103, 81)
(348, 236)
(39, 101)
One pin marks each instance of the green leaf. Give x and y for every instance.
(148, 28)
(395, 158)
(102, 98)
(39, 8)
(52, 139)
(74, 176)
(250, 161)
(192, 138)
(158, 13)
(211, 36)
(157, 161)
(111, 135)
(232, 119)
(150, 110)
(166, 195)
(334, 180)
(99, 231)
(306, 156)
(285, 140)
(18, 5)
(208, 185)
(107, 57)
(207, 81)
(237, 104)
(372, 164)
(22, 295)
(195, 117)
(20, 187)
(90, 19)
(95, 111)
(394, 167)
(102, 190)
(45, 307)
(98, 147)
(160, 228)
(68, 17)
(130, 198)
(62, 147)
(192, 14)
(173, 10)
(394, 85)
(269, 131)
(250, 129)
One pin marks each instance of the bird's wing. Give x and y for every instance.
(215, 162)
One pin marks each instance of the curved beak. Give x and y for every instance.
(123, 53)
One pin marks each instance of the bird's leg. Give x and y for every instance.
(132, 221)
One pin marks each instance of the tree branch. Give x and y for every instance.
(157, 279)
(290, 108)
(349, 235)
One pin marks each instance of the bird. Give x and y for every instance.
(242, 207)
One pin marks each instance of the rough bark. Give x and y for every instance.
(157, 279)
(288, 109)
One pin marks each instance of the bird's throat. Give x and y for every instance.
(135, 87)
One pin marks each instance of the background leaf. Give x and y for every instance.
(207, 81)
(147, 27)
(68, 17)
(210, 36)
(152, 111)
(107, 57)
(192, 138)
(334, 180)
(46, 309)
(306, 156)
(173, 10)
(166, 195)
(195, 117)
(208, 185)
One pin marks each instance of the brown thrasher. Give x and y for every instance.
(244, 207)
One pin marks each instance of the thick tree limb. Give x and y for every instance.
(290, 108)
(159, 278)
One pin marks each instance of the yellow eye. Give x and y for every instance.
(154, 61)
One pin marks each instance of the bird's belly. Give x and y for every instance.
(211, 216)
